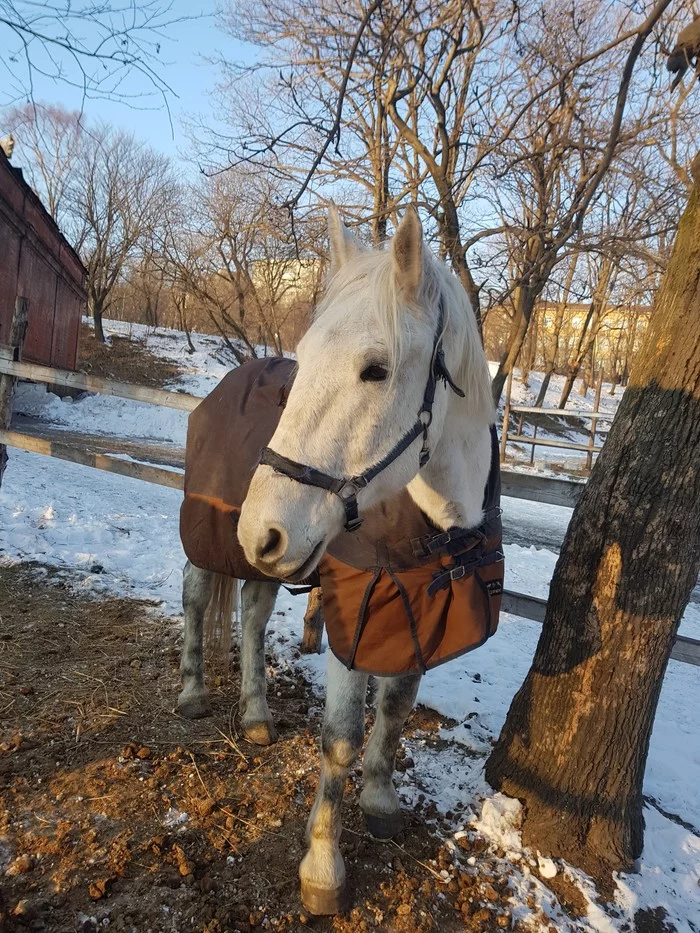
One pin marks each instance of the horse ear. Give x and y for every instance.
(407, 254)
(343, 244)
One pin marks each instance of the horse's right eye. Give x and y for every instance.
(375, 372)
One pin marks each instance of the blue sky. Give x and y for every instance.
(182, 66)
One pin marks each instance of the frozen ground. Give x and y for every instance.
(113, 534)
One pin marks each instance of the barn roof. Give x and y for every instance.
(16, 174)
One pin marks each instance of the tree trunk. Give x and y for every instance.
(574, 744)
(575, 361)
(552, 344)
(524, 303)
(587, 375)
(451, 239)
(97, 319)
(541, 395)
(528, 353)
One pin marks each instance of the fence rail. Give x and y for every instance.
(685, 649)
(111, 464)
(81, 381)
(519, 438)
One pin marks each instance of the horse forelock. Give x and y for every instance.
(367, 283)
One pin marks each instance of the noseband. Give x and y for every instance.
(347, 488)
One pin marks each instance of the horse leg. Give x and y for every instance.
(258, 601)
(379, 800)
(322, 871)
(197, 589)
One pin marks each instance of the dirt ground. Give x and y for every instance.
(116, 813)
(124, 359)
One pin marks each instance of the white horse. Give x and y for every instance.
(362, 372)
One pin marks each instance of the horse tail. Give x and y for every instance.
(220, 617)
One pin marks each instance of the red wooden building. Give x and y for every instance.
(38, 263)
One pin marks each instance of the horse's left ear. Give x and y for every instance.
(407, 253)
(344, 246)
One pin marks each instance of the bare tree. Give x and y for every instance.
(121, 193)
(92, 47)
(465, 97)
(232, 251)
(553, 332)
(403, 72)
(49, 140)
(575, 126)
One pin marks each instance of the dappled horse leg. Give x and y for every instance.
(197, 589)
(322, 871)
(258, 601)
(379, 800)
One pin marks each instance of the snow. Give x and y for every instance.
(500, 820)
(112, 534)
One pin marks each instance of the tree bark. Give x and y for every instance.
(97, 319)
(575, 361)
(552, 350)
(542, 394)
(528, 354)
(524, 303)
(575, 742)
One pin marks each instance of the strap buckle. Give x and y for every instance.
(351, 487)
(458, 572)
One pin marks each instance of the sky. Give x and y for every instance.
(182, 65)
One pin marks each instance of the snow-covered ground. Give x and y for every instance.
(117, 535)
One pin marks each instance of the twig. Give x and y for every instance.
(200, 776)
(230, 742)
(418, 862)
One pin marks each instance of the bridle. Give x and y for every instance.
(347, 488)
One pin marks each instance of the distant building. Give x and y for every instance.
(618, 336)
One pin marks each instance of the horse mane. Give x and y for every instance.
(373, 270)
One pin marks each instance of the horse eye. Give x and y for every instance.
(375, 372)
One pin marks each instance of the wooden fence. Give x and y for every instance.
(552, 490)
(566, 413)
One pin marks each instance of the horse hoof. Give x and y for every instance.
(384, 826)
(260, 733)
(324, 902)
(195, 706)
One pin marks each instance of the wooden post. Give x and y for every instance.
(506, 416)
(313, 623)
(18, 329)
(532, 446)
(594, 422)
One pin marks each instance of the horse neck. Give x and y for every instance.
(450, 488)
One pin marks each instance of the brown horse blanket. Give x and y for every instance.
(399, 595)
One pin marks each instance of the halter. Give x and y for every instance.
(348, 488)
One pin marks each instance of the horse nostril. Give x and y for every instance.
(274, 539)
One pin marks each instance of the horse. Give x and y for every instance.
(391, 396)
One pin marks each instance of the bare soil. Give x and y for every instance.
(116, 812)
(124, 359)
